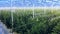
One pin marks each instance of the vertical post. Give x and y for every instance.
(45, 8)
(52, 7)
(24, 9)
(33, 10)
(11, 16)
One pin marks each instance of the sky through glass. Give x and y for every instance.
(30, 3)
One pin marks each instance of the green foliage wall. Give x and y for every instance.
(44, 22)
(5, 17)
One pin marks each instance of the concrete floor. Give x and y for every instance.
(3, 29)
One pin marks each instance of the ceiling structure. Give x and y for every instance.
(30, 3)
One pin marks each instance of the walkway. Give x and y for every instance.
(3, 29)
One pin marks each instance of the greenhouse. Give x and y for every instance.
(26, 17)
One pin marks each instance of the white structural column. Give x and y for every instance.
(33, 10)
(12, 16)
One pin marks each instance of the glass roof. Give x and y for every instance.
(29, 3)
